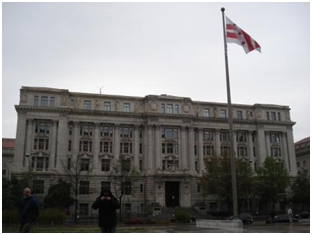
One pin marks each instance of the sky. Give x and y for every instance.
(137, 49)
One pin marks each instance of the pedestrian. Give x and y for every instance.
(273, 216)
(107, 205)
(290, 215)
(28, 211)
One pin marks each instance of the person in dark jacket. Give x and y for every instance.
(28, 211)
(107, 205)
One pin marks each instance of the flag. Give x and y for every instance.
(236, 35)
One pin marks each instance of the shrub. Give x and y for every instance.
(10, 216)
(182, 216)
(51, 216)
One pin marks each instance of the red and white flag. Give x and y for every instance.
(236, 35)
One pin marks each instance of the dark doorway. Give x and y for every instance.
(172, 194)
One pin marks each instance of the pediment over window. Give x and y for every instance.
(40, 154)
(126, 156)
(106, 156)
(85, 155)
(170, 157)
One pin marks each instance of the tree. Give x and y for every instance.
(124, 178)
(59, 196)
(301, 191)
(271, 182)
(12, 192)
(73, 173)
(217, 179)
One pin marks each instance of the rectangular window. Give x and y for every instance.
(279, 116)
(304, 163)
(241, 137)
(126, 188)
(176, 109)
(162, 108)
(274, 138)
(106, 131)
(68, 163)
(36, 100)
(242, 151)
(106, 165)
(275, 152)
(126, 132)
(225, 150)
(126, 107)
(141, 148)
(224, 136)
(198, 188)
(141, 188)
(222, 113)
(38, 187)
(87, 104)
(107, 106)
(208, 135)
(125, 165)
(69, 145)
(169, 133)
(196, 166)
(83, 209)
(44, 101)
(208, 150)
(206, 113)
(268, 116)
(239, 114)
(52, 99)
(72, 102)
(84, 164)
(169, 108)
(86, 130)
(141, 165)
(273, 114)
(41, 144)
(125, 148)
(84, 187)
(195, 150)
(42, 128)
(85, 146)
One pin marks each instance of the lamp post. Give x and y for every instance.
(173, 216)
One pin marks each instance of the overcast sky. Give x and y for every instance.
(138, 49)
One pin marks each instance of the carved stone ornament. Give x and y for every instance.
(137, 107)
(23, 97)
(259, 114)
(153, 105)
(97, 104)
(117, 106)
(64, 100)
(215, 112)
(187, 108)
(287, 116)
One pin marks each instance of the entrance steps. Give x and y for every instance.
(166, 213)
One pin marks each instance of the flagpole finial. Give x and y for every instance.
(222, 9)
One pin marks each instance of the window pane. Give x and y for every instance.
(44, 101)
(107, 106)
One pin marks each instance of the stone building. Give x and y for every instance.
(8, 146)
(302, 149)
(167, 138)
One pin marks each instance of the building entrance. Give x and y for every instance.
(172, 194)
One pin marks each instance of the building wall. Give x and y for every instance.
(165, 130)
(302, 149)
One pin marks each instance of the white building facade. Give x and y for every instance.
(166, 138)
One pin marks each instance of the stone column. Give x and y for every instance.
(53, 145)
(201, 151)
(191, 150)
(235, 143)
(291, 153)
(62, 143)
(116, 142)
(183, 148)
(136, 146)
(150, 165)
(250, 151)
(20, 143)
(261, 149)
(285, 151)
(217, 143)
(268, 144)
(75, 143)
(157, 148)
(96, 147)
(29, 141)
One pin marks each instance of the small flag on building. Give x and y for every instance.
(236, 35)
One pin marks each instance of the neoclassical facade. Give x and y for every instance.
(166, 138)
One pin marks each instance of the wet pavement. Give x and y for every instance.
(256, 227)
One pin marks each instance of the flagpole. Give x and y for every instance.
(233, 172)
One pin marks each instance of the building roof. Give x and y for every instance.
(8, 143)
(305, 140)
